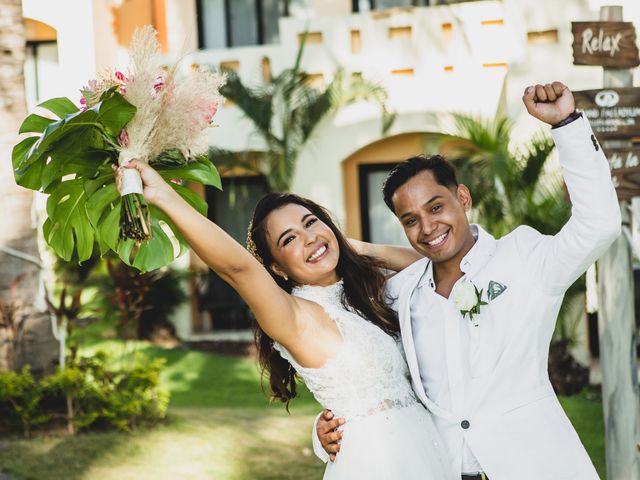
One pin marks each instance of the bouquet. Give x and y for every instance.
(147, 112)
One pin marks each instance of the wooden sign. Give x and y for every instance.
(625, 169)
(622, 158)
(627, 182)
(608, 44)
(612, 112)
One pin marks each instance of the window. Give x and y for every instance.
(379, 224)
(231, 209)
(368, 5)
(234, 23)
(41, 69)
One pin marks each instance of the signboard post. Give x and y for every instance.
(612, 112)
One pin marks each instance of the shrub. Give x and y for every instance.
(22, 395)
(88, 393)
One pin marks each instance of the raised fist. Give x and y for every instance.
(550, 103)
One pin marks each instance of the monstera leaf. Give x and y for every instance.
(103, 207)
(77, 136)
(70, 159)
(67, 227)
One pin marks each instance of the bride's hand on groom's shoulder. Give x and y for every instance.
(550, 103)
(328, 433)
(358, 245)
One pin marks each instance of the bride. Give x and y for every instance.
(321, 312)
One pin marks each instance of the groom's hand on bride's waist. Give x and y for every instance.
(328, 433)
(550, 103)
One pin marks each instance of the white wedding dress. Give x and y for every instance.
(388, 434)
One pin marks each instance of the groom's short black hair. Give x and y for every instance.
(443, 172)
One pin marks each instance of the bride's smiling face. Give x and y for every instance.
(303, 247)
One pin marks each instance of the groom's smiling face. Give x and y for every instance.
(434, 217)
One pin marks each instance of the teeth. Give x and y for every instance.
(438, 240)
(318, 253)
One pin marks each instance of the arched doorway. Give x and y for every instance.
(364, 171)
(216, 307)
(41, 63)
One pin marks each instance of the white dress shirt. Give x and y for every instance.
(429, 338)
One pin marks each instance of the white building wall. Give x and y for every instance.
(73, 20)
(86, 42)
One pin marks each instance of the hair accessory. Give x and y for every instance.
(251, 245)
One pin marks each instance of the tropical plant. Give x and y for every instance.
(141, 303)
(285, 112)
(65, 302)
(91, 392)
(155, 118)
(512, 187)
(23, 393)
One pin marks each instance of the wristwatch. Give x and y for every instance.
(573, 116)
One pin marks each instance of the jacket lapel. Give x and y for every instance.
(404, 316)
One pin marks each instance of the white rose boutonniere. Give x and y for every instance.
(467, 298)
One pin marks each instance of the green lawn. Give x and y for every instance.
(220, 426)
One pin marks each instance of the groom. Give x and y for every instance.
(479, 364)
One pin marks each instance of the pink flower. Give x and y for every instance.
(121, 76)
(92, 86)
(83, 104)
(123, 138)
(211, 112)
(159, 83)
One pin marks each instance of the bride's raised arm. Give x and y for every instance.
(275, 310)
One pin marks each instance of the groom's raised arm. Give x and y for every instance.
(557, 261)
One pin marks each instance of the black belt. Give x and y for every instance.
(479, 476)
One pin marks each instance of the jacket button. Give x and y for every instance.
(465, 424)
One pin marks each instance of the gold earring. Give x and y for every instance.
(286, 278)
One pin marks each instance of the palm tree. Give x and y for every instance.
(286, 111)
(511, 187)
(19, 256)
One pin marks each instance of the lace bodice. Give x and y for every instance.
(367, 375)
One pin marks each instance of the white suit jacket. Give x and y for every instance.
(514, 423)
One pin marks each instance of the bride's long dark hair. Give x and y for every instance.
(364, 288)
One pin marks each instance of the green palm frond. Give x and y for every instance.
(486, 134)
(537, 153)
(256, 105)
(287, 110)
(226, 159)
(510, 187)
(346, 91)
